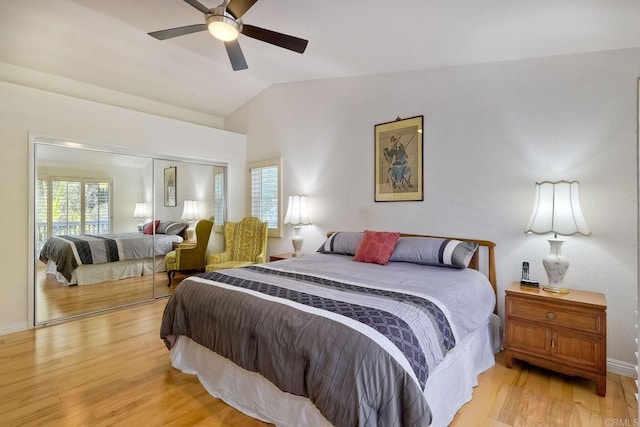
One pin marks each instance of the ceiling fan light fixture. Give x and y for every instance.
(226, 26)
(223, 27)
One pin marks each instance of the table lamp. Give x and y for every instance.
(297, 216)
(557, 210)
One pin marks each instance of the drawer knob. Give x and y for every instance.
(551, 315)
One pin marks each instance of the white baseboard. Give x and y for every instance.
(622, 368)
(13, 327)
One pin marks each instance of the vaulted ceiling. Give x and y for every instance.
(105, 43)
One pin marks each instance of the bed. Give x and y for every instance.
(323, 340)
(89, 259)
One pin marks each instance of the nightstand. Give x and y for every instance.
(278, 257)
(566, 333)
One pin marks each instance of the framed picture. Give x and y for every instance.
(398, 160)
(170, 197)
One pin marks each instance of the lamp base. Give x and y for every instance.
(555, 289)
(555, 264)
(296, 241)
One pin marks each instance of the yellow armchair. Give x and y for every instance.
(188, 256)
(245, 243)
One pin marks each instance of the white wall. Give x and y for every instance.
(491, 131)
(24, 110)
(194, 181)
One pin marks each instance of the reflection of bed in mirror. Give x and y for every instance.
(90, 259)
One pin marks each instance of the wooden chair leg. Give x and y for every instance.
(169, 276)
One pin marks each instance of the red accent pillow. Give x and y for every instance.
(376, 247)
(150, 227)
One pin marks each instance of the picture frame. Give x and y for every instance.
(398, 160)
(170, 186)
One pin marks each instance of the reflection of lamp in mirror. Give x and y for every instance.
(297, 216)
(190, 214)
(557, 210)
(141, 213)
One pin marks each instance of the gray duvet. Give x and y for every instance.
(360, 350)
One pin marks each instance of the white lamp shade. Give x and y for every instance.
(557, 210)
(297, 211)
(141, 211)
(190, 211)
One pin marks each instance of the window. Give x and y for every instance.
(42, 207)
(97, 208)
(219, 196)
(265, 193)
(72, 206)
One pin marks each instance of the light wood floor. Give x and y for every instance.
(113, 369)
(56, 301)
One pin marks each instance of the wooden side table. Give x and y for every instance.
(566, 333)
(278, 257)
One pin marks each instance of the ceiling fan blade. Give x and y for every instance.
(179, 31)
(235, 55)
(237, 8)
(195, 3)
(283, 40)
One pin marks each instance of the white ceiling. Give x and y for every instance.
(105, 42)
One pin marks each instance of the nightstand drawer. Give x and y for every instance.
(555, 314)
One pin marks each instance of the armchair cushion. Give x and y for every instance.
(170, 259)
(219, 258)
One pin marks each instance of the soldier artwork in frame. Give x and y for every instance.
(398, 160)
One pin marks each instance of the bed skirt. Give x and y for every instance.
(448, 387)
(89, 274)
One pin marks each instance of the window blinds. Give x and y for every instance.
(264, 194)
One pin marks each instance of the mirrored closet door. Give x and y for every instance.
(104, 222)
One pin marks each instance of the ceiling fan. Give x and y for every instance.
(224, 23)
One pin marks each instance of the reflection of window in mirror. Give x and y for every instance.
(72, 206)
(219, 196)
